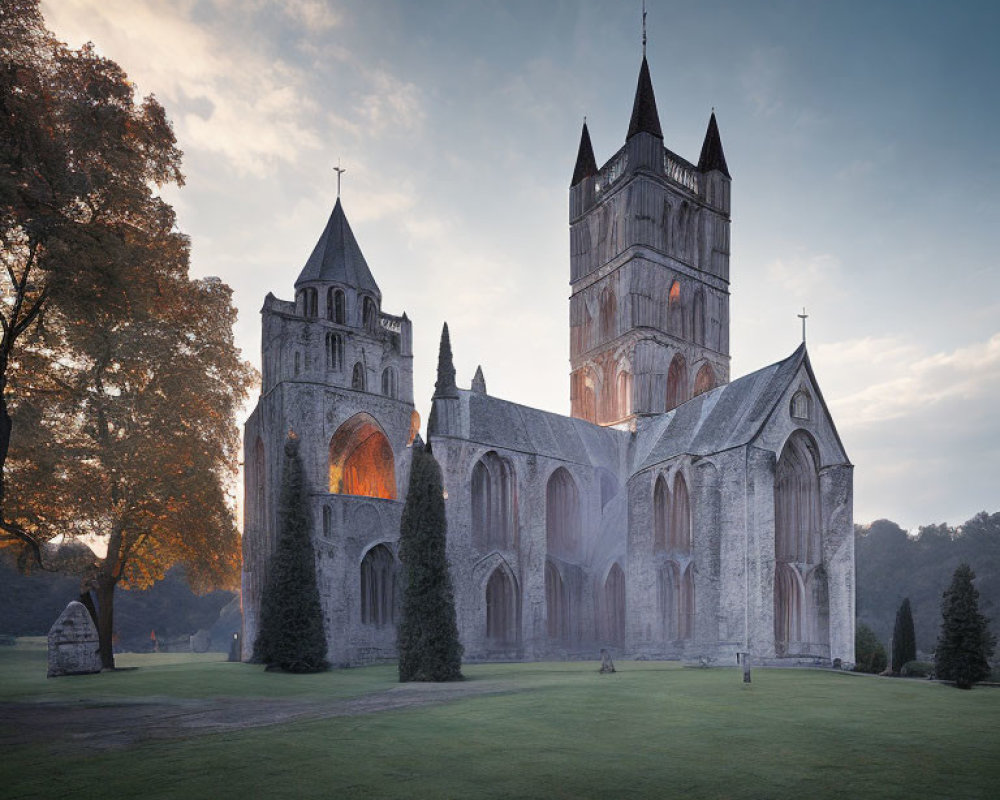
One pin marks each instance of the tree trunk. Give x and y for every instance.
(88, 602)
(105, 619)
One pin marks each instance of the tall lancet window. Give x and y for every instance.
(494, 503)
(358, 377)
(378, 587)
(562, 516)
(676, 382)
(801, 612)
(661, 514)
(613, 622)
(501, 609)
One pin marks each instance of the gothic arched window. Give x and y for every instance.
(369, 314)
(562, 516)
(680, 518)
(336, 306)
(501, 609)
(494, 503)
(698, 317)
(801, 406)
(661, 514)
(800, 616)
(361, 460)
(334, 352)
(378, 587)
(358, 376)
(389, 383)
(613, 626)
(704, 381)
(676, 382)
(556, 603)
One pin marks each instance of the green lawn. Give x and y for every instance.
(559, 730)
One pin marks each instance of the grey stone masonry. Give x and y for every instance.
(73, 643)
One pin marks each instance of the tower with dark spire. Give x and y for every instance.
(649, 271)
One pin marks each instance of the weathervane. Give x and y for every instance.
(340, 171)
(643, 28)
(803, 316)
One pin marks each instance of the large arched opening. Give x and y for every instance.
(502, 626)
(494, 503)
(801, 611)
(562, 516)
(361, 460)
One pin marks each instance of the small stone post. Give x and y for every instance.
(744, 658)
(73, 643)
(607, 665)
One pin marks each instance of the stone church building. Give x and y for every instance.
(675, 514)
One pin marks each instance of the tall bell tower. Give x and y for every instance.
(649, 271)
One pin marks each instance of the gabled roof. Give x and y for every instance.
(337, 258)
(726, 417)
(712, 156)
(645, 119)
(500, 423)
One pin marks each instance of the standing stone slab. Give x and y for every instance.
(73, 643)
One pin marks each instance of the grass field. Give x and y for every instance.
(554, 730)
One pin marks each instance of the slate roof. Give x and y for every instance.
(586, 164)
(501, 423)
(712, 156)
(337, 258)
(645, 119)
(723, 418)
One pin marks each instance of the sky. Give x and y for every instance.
(860, 137)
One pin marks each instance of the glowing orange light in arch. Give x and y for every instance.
(361, 460)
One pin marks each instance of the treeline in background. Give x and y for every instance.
(892, 565)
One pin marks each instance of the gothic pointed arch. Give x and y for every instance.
(801, 605)
(661, 514)
(494, 503)
(258, 484)
(358, 376)
(675, 325)
(361, 459)
(704, 381)
(623, 399)
(698, 317)
(613, 606)
(677, 391)
(502, 608)
(562, 516)
(378, 587)
(679, 540)
(556, 603)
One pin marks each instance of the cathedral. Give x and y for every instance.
(676, 514)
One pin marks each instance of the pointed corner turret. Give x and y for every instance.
(586, 164)
(445, 386)
(478, 381)
(337, 258)
(645, 118)
(712, 156)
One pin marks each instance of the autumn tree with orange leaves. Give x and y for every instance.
(119, 378)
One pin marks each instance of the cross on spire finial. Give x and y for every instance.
(803, 316)
(643, 28)
(340, 171)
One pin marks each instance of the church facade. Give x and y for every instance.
(675, 514)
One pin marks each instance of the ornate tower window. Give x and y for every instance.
(369, 315)
(334, 352)
(335, 306)
(676, 382)
(361, 460)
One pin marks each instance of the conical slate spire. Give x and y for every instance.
(586, 164)
(445, 386)
(644, 116)
(712, 156)
(337, 258)
(478, 381)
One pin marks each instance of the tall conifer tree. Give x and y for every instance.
(965, 644)
(291, 635)
(904, 640)
(429, 649)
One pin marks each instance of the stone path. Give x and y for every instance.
(123, 722)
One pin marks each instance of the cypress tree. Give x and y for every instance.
(291, 635)
(965, 643)
(429, 649)
(904, 640)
